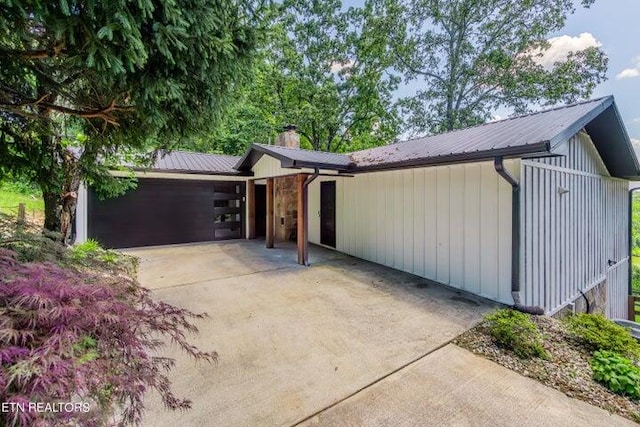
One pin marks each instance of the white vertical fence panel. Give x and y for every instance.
(451, 224)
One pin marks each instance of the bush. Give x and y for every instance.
(82, 251)
(69, 335)
(635, 277)
(617, 373)
(596, 332)
(515, 331)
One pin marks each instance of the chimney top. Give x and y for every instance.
(289, 137)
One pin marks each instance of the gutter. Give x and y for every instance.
(515, 238)
(305, 213)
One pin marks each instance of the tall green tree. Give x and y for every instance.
(123, 74)
(470, 57)
(321, 69)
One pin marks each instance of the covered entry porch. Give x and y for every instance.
(278, 211)
(277, 193)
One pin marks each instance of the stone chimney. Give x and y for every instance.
(288, 138)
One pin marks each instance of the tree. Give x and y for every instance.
(320, 69)
(122, 75)
(470, 57)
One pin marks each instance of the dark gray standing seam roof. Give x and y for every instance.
(534, 134)
(201, 163)
(295, 158)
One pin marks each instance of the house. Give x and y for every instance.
(532, 210)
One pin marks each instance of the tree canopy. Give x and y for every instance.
(470, 57)
(119, 73)
(322, 69)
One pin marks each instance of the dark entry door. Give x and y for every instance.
(328, 213)
(261, 210)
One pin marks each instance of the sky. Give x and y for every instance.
(612, 25)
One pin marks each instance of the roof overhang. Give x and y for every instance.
(540, 149)
(609, 135)
(255, 153)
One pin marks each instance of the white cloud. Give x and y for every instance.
(338, 66)
(628, 73)
(636, 144)
(560, 47)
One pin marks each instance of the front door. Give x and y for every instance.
(328, 213)
(261, 210)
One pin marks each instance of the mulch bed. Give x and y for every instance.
(567, 369)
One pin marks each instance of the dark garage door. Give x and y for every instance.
(166, 211)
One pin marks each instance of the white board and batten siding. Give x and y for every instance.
(574, 220)
(450, 224)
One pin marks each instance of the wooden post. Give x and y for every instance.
(631, 315)
(302, 237)
(251, 207)
(270, 223)
(21, 215)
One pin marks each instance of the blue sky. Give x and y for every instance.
(613, 25)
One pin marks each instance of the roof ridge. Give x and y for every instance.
(534, 113)
(300, 149)
(197, 152)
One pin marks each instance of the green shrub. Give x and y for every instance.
(617, 373)
(596, 332)
(82, 251)
(515, 331)
(635, 277)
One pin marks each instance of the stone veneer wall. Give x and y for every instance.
(597, 297)
(286, 208)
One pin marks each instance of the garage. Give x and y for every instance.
(177, 201)
(166, 211)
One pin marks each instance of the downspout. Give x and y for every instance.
(515, 238)
(305, 213)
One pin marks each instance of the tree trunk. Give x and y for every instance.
(69, 197)
(60, 201)
(51, 209)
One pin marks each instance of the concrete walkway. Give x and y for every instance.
(345, 342)
(453, 387)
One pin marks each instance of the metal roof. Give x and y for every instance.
(534, 135)
(530, 135)
(188, 162)
(295, 158)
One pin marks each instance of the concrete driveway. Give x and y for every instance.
(344, 342)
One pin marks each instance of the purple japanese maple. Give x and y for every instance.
(77, 336)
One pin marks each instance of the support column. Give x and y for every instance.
(251, 209)
(302, 220)
(270, 222)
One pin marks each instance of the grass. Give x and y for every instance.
(12, 194)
